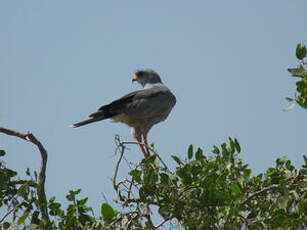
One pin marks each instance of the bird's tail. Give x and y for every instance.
(81, 123)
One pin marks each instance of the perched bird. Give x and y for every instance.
(140, 109)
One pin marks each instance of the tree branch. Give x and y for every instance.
(150, 148)
(12, 210)
(42, 173)
(163, 222)
(22, 182)
(298, 177)
(121, 148)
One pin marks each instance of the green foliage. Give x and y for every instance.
(204, 191)
(301, 85)
(218, 191)
(107, 212)
(16, 194)
(300, 51)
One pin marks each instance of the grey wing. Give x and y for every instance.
(110, 110)
(151, 104)
(115, 107)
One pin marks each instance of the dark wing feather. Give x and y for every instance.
(107, 111)
(115, 107)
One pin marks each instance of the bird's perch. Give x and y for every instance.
(42, 173)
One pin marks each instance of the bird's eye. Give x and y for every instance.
(139, 74)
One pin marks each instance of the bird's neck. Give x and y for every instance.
(150, 85)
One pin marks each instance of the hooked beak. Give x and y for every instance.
(135, 78)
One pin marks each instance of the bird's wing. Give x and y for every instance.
(155, 102)
(115, 107)
(152, 104)
(110, 110)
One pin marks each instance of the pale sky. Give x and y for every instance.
(226, 62)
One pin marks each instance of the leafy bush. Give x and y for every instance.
(300, 71)
(204, 191)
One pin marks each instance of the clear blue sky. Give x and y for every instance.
(225, 60)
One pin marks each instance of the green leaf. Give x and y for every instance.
(6, 225)
(215, 149)
(72, 194)
(82, 201)
(290, 99)
(302, 101)
(297, 71)
(107, 212)
(11, 173)
(237, 145)
(164, 178)
(236, 190)
(32, 227)
(247, 172)
(190, 152)
(301, 87)
(35, 217)
(289, 166)
(199, 154)
(2, 153)
(185, 174)
(150, 176)
(22, 219)
(300, 51)
(136, 175)
(289, 108)
(164, 211)
(305, 161)
(28, 172)
(149, 160)
(177, 159)
(302, 74)
(23, 190)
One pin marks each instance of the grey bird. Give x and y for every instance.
(140, 109)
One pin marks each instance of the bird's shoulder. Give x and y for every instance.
(154, 91)
(127, 98)
(139, 96)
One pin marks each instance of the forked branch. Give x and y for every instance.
(42, 173)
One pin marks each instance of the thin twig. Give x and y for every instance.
(130, 188)
(42, 173)
(137, 143)
(295, 178)
(163, 222)
(149, 220)
(121, 148)
(260, 192)
(121, 216)
(131, 220)
(22, 182)
(12, 210)
(150, 148)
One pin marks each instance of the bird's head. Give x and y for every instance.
(146, 76)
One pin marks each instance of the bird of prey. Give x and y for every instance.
(140, 109)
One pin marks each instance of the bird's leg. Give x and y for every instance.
(146, 145)
(139, 140)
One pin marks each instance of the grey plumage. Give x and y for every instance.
(140, 109)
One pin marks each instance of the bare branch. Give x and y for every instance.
(22, 182)
(12, 210)
(295, 178)
(121, 149)
(163, 222)
(151, 149)
(42, 173)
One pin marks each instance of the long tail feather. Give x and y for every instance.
(81, 123)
